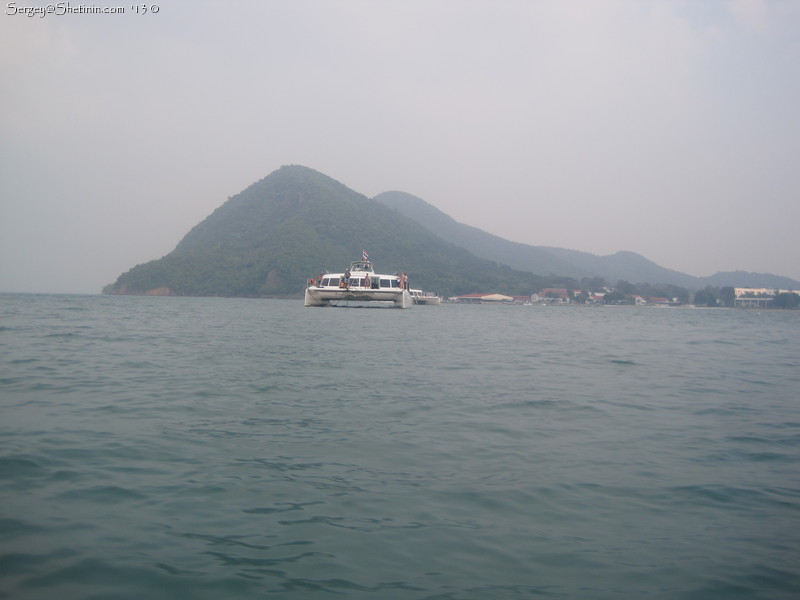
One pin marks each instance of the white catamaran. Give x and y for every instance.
(428, 298)
(359, 283)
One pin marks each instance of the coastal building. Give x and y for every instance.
(552, 295)
(597, 298)
(483, 298)
(752, 292)
(756, 297)
(753, 301)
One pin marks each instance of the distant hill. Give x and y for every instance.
(545, 260)
(754, 280)
(297, 222)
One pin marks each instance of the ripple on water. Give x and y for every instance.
(199, 448)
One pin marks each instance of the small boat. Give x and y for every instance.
(359, 283)
(428, 298)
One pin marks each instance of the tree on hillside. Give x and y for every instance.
(593, 284)
(705, 297)
(616, 297)
(727, 295)
(787, 300)
(625, 287)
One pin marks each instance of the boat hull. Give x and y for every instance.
(319, 296)
(427, 300)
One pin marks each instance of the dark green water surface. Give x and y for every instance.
(223, 448)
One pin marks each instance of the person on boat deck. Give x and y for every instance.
(347, 278)
(366, 281)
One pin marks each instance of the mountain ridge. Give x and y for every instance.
(623, 265)
(296, 222)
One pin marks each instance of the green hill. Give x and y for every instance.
(482, 244)
(546, 260)
(295, 223)
(536, 259)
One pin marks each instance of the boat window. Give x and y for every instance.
(395, 283)
(334, 281)
(324, 281)
(385, 283)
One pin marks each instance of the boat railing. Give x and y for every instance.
(362, 265)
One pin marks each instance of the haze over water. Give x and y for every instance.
(225, 448)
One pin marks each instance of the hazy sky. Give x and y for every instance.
(668, 128)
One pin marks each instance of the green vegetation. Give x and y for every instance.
(616, 297)
(570, 263)
(296, 223)
(787, 300)
(727, 296)
(706, 297)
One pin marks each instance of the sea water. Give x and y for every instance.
(231, 448)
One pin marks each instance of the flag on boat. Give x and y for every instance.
(364, 255)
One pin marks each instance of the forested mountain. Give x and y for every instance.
(477, 241)
(295, 223)
(544, 260)
(627, 266)
(748, 279)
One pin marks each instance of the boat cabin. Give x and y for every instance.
(359, 283)
(373, 283)
(362, 275)
(361, 265)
